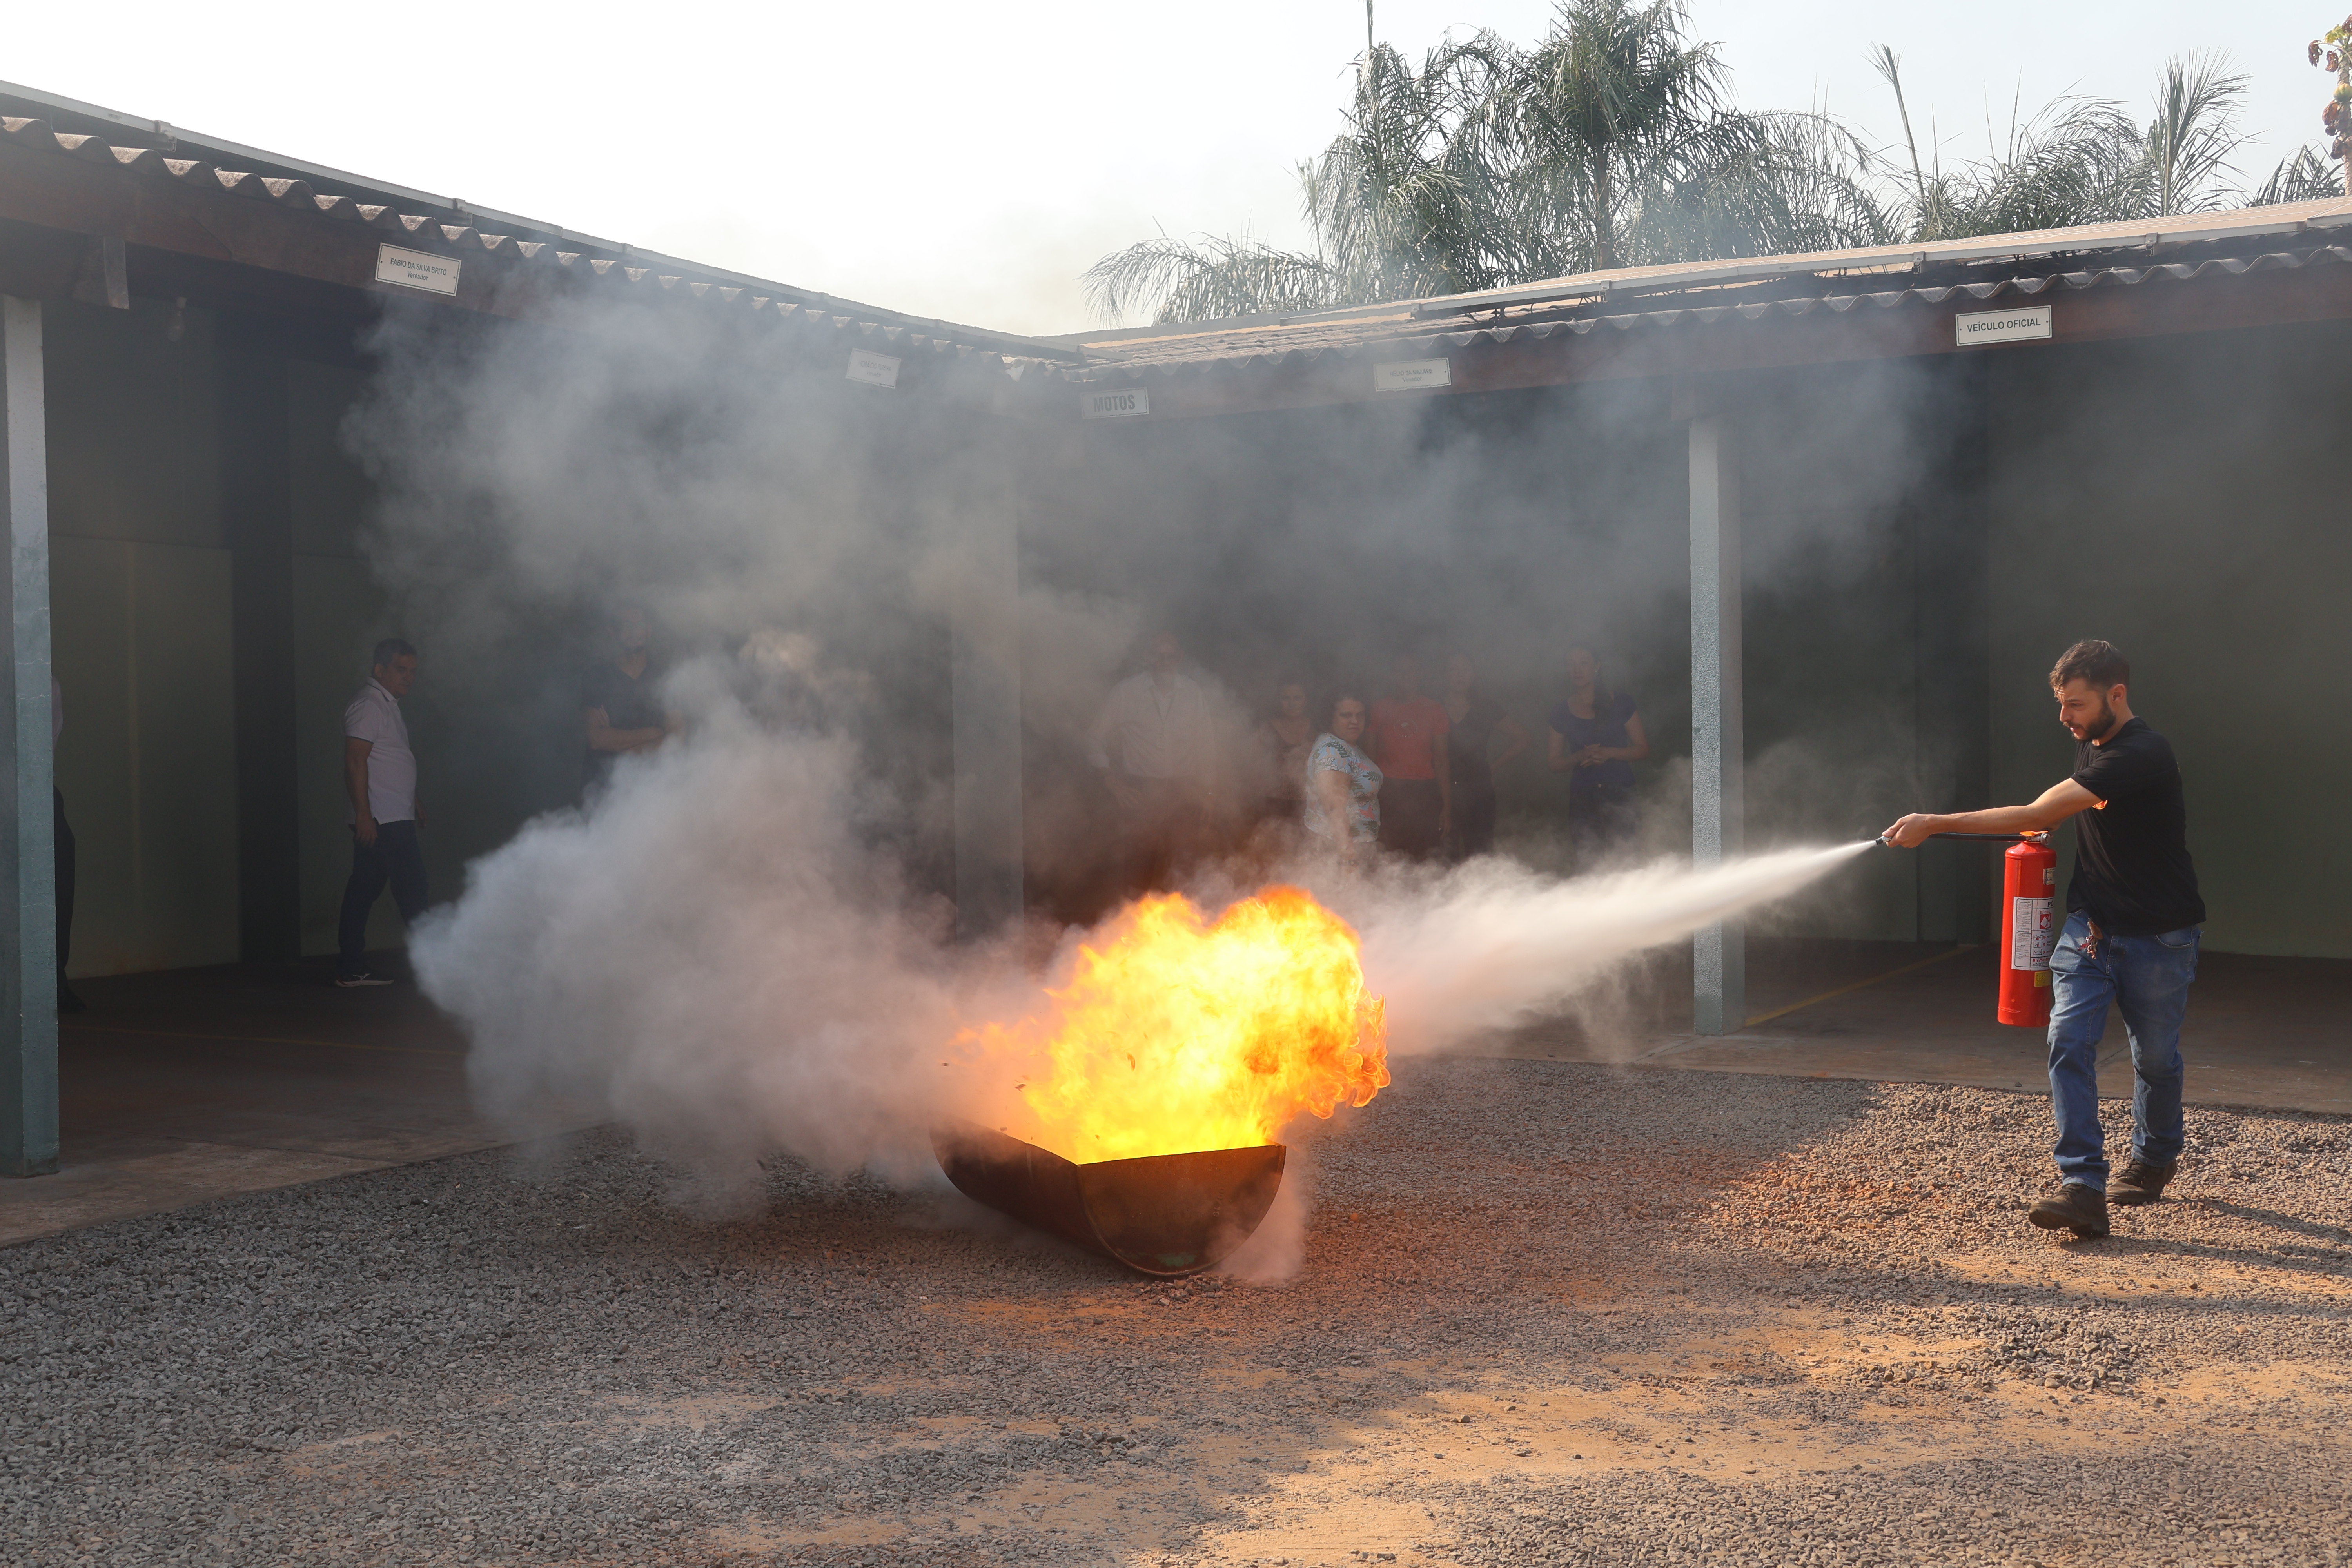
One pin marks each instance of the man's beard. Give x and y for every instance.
(2103, 727)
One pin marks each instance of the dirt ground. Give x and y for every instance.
(1547, 1313)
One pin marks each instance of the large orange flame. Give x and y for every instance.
(1175, 1035)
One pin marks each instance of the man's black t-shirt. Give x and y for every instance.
(2132, 872)
(629, 702)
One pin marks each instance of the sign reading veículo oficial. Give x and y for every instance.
(2023, 324)
(417, 269)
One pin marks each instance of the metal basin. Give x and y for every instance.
(1163, 1213)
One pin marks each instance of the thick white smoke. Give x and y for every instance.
(1492, 945)
(709, 955)
(742, 948)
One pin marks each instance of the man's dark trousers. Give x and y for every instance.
(395, 857)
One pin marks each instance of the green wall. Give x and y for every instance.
(139, 596)
(2183, 498)
(2173, 495)
(148, 760)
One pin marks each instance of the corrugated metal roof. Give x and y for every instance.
(2150, 235)
(1741, 288)
(214, 165)
(2204, 245)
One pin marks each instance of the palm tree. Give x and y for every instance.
(2082, 159)
(1615, 142)
(1614, 112)
(1408, 200)
(1404, 203)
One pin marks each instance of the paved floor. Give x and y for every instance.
(2268, 1033)
(197, 1084)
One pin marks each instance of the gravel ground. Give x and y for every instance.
(1549, 1313)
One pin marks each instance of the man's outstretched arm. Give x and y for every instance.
(2058, 801)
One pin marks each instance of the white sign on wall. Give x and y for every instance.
(870, 369)
(1117, 402)
(1407, 374)
(2023, 324)
(415, 270)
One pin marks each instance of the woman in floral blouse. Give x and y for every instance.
(1342, 783)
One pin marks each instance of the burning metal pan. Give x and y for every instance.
(1163, 1213)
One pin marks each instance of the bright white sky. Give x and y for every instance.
(969, 161)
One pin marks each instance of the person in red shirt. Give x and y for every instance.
(1408, 737)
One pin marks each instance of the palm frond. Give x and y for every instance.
(2190, 142)
(1177, 281)
(2306, 177)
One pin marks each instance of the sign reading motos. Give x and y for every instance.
(415, 270)
(2022, 324)
(1119, 403)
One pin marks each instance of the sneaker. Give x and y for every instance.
(2075, 1207)
(362, 978)
(2140, 1183)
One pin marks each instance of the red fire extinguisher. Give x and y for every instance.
(2031, 919)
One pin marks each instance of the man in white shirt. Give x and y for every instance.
(379, 773)
(1160, 725)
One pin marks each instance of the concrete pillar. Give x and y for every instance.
(1717, 699)
(28, 873)
(258, 503)
(985, 624)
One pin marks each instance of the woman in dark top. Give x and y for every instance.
(1283, 740)
(621, 701)
(1478, 719)
(1596, 739)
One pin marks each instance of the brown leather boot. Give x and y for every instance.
(2075, 1207)
(2140, 1181)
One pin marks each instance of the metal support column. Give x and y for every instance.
(986, 673)
(29, 872)
(1718, 698)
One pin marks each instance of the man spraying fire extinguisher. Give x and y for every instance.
(2130, 937)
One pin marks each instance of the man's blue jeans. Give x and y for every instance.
(2147, 977)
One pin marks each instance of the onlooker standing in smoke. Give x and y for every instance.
(1596, 739)
(1283, 739)
(68, 1000)
(621, 699)
(1160, 724)
(1474, 720)
(1409, 734)
(2132, 916)
(1343, 785)
(379, 773)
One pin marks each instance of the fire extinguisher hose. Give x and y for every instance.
(1979, 838)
